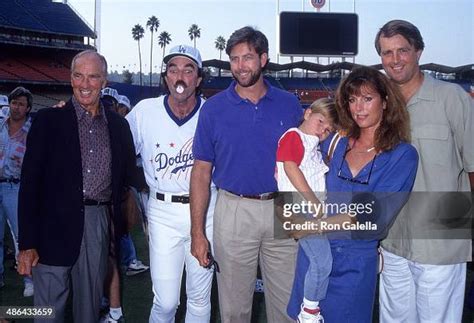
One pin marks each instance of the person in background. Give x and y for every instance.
(423, 280)
(123, 105)
(13, 132)
(4, 107)
(127, 255)
(109, 98)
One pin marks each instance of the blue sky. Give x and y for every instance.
(446, 25)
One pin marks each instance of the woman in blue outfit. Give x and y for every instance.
(372, 167)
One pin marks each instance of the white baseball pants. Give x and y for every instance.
(169, 226)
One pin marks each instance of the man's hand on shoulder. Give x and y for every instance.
(26, 260)
(60, 104)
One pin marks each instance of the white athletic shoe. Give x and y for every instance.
(29, 289)
(136, 267)
(106, 318)
(305, 317)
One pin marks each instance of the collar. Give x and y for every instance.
(235, 98)
(81, 112)
(178, 121)
(426, 92)
(26, 125)
(3, 122)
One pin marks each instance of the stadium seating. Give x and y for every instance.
(13, 14)
(35, 68)
(5, 75)
(43, 16)
(53, 69)
(220, 83)
(15, 67)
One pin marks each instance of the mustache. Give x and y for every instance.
(179, 82)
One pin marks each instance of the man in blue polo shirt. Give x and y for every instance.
(235, 145)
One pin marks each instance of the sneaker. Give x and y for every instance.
(306, 317)
(108, 319)
(136, 267)
(29, 289)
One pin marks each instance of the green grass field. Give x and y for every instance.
(137, 294)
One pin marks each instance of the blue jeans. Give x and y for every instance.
(8, 212)
(318, 251)
(127, 250)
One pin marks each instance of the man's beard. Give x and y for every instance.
(253, 78)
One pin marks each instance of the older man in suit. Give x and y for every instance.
(78, 159)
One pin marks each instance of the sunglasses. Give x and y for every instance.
(352, 179)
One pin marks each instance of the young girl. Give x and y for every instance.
(301, 168)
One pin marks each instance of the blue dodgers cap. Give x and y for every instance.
(125, 101)
(186, 51)
(108, 91)
(3, 101)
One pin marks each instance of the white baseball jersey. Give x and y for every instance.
(312, 166)
(165, 144)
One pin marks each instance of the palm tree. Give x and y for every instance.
(194, 32)
(153, 23)
(220, 46)
(163, 39)
(137, 34)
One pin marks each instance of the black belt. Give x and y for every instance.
(174, 198)
(96, 203)
(10, 180)
(261, 197)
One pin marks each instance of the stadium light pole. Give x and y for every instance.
(97, 22)
(353, 57)
(278, 31)
(329, 10)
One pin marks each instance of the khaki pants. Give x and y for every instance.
(243, 238)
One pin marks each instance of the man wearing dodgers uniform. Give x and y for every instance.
(163, 130)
